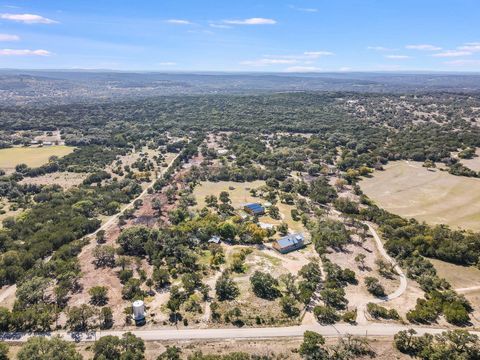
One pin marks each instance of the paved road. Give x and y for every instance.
(373, 329)
(361, 311)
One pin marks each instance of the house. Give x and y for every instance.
(254, 209)
(289, 243)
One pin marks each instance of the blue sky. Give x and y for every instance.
(245, 35)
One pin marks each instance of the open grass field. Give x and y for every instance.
(32, 156)
(474, 163)
(408, 189)
(240, 194)
(458, 276)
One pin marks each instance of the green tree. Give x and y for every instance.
(226, 288)
(43, 348)
(171, 353)
(225, 197)
(264, 285)
(325, 314)
(128, 347)
(98, 295)
(79, 317)
(312, 347)
(100, 237)
(131, 289)
(289, 306)
(133, 240)
(104, 256)
(33, 291)
(106, 318)
(374, 287)
(4, 349)
(161, 277)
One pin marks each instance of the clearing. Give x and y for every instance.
(65, 179)
(473, 163)
(240, 195)
(410, 190)
(32, 156)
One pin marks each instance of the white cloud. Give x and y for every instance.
(27, 18)
(397, 57)
(268, 62)
(302, 60)
(251, 21)
(167, 63)
(9, 37)
(380, 48)
(463, 62)
(423, 47)
(452, 53)
(345, 68)
(472, 47)
(179, 22)
(309, 10)
(303, 69)
(317, 54)
(24, 52)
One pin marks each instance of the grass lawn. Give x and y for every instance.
(409, 190)
(240, 194)
(458, 276)
(473, 163)
(32, 156)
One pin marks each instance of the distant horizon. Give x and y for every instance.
(239, 72)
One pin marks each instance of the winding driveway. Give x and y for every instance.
(361, 310)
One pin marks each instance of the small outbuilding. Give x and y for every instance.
(289, 243)
(215, 240)
(138, 312)
(254, 209)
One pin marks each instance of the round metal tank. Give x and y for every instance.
(138, 310)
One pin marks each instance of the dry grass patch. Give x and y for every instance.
(64, 179)
(473, 163)
(32, 156)
(239, 192)
(409, 190)
(458, 276)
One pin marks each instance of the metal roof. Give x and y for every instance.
(290, 240)
(255, 207)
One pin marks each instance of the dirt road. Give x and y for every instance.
(361, 311)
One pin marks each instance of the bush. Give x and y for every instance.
(379, 312)
(325, 314)
(374, 287)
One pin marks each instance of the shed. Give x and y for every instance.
(254, 209)
(214, 240)
(289, 243)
